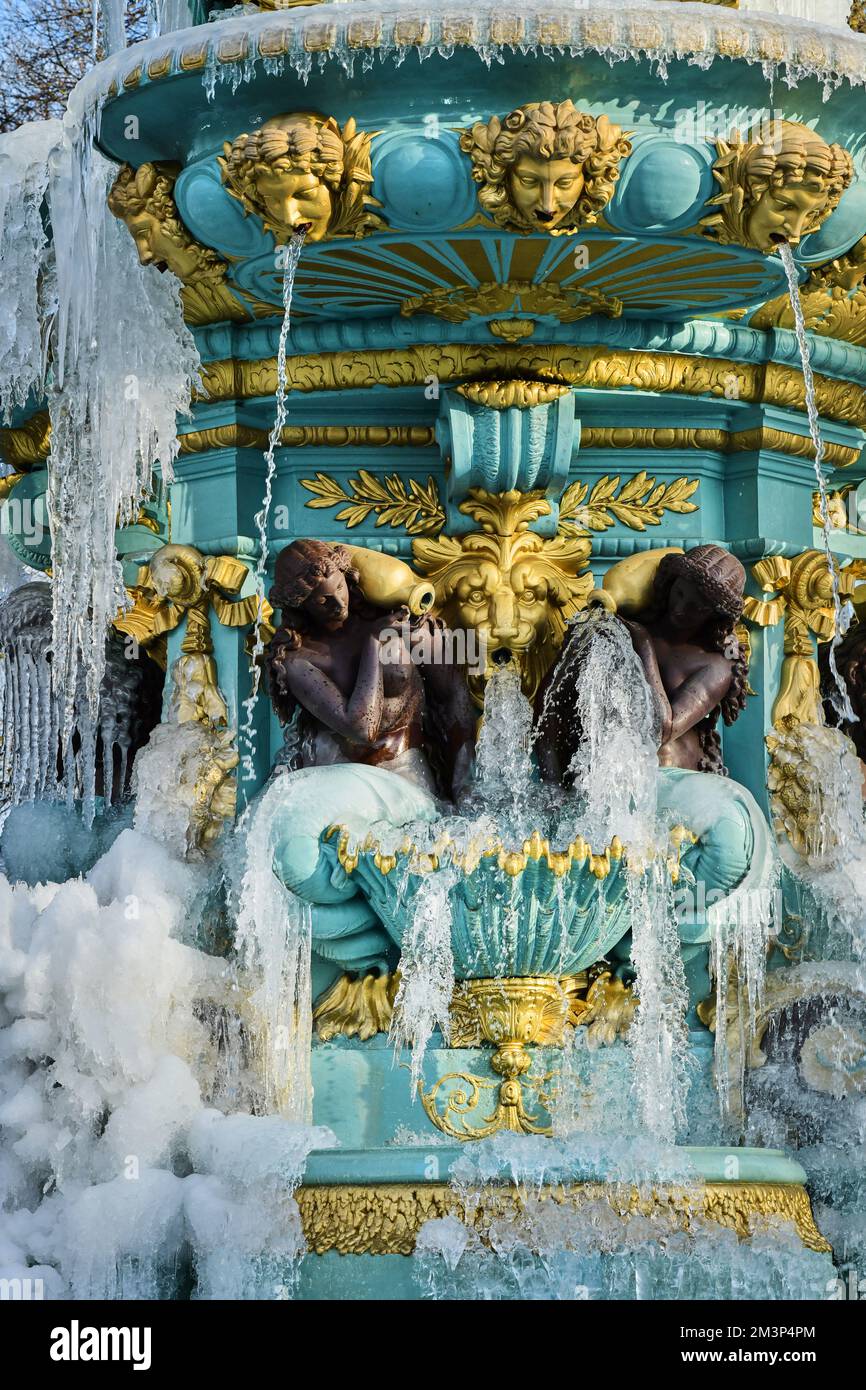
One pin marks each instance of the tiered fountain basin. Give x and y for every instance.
(516, 912)
(363, 1213)
(192, 92)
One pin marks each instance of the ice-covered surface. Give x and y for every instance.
(273, 941)
(25, 300)
(122, 367)
(115, 1168)
(658, 31)
(109, 25)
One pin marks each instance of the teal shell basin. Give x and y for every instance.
(513, 912)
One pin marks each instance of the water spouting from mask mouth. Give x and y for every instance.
(290, 255)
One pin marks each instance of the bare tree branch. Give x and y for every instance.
(45, 48)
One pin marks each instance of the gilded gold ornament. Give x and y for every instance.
(356, 1007)
(386, 1219)
(515, 589)
(833, 299)
(457, 303)
(144, 200)
(802, 591)
(269, 172)
(545, 366)
(639, 502)
(778, 184)
(545, 167)
(27, 444)
(180, 583)
(395, 501)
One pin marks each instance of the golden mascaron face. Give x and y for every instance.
(156, 247)
(294, 199)
(545, 190)
(785, 214)
(507, 608)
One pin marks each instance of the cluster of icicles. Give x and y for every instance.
(102, 339)
(778, 35)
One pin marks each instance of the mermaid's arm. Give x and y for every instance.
(357, 718)
(699, 695)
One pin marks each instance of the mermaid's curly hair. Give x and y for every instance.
(299, 569)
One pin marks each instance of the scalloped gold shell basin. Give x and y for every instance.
(521, 911)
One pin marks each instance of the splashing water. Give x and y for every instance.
(841, 615)
(426, 970)
(615, 768)
(658, 1039)
(504, 782)
(291, 257)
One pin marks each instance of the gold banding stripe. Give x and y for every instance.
(385, 1219)
(592, 368)
(28, 444)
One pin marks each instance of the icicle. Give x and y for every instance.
(109, 26)
(24, 171)
(121, 380)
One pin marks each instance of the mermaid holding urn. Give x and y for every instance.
(681, 611)
(365, 710)
(383, 739)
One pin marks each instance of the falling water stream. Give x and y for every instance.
(291, 255)
(841, 613)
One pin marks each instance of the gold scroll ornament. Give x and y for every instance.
(180, 583)
(802, 597)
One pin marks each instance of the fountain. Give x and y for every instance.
(460, 418)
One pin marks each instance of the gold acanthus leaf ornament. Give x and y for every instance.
(302, 172)
(546, 166)
(387, 1220)
(394, 501)
(778, 184)
(144, 200)
(567, 304)
(639, 503)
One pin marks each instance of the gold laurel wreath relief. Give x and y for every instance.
(639, 503)
(393, 501)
